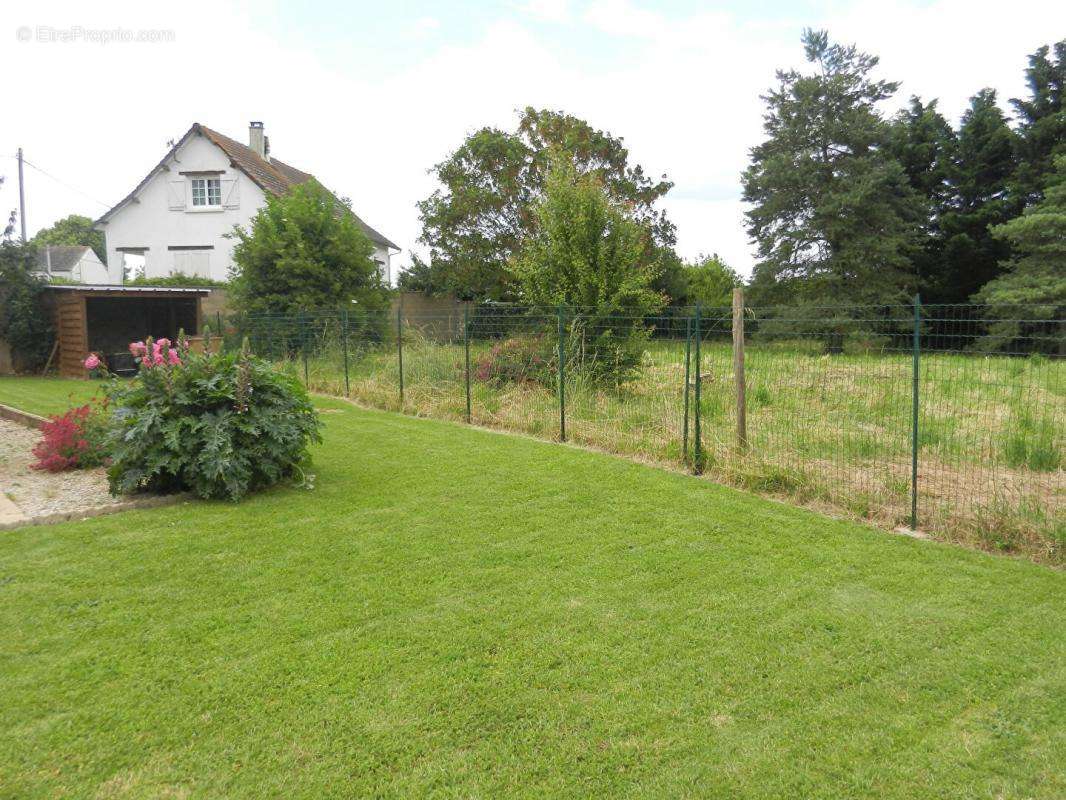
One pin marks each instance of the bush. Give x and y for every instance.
(217, 424)
(517, 360)
(25, 322)
(74, 440)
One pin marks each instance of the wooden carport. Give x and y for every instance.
(105, 319)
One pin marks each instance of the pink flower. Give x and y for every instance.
(162, 343)
(172, 357)
(92, 362)
(137, 349)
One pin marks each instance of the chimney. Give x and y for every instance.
(256, 138)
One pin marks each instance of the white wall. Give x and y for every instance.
(90, 269)
(151, 221)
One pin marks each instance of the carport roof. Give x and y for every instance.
(116, 289)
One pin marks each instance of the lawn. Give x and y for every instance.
(46, 396)
(457, 613)
(830, 431)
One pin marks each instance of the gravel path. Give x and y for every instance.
(38, 493)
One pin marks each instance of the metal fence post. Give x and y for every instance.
(688, 358)
(915, 381)
(466, 348)
(738, 368)
(302, 322)
(399, 344)
(562, 377)
(344, 336)
(697, 445)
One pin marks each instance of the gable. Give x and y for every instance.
(208, 146)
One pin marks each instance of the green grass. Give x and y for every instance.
(456, 613)
(46, 396)
(841, 423)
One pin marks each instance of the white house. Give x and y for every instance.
(176, 218)
(74, 263)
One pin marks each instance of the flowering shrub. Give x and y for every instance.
(74, 440)
(516, 360)
(217, 424)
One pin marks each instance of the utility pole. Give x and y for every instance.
(22, 199)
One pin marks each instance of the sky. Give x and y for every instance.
(369, 96)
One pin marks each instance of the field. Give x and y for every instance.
(830, 431)
(456, 613)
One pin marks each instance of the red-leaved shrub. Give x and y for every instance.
(74, 440)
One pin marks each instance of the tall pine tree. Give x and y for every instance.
(925, 145)
(1041, 121)
(981, 198)
(834, 217)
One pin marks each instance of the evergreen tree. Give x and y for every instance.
(834, 216)
(1041, 121)
(1037, 274)
(925, 145)
(981, 198)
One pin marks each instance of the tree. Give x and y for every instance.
(981, 198)
(834, 216)
(484, 212)
(25, 323)
(73, 230)
(304, 250)
(1037, 273)
(925, 145)
(711, 282)
(591, 255)
(1041, 122)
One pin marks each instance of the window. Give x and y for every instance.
(206, 192)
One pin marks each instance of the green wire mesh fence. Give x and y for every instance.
(944, 418)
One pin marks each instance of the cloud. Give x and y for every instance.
(424, 27)
(547, 10)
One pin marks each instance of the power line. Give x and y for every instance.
(74, 189)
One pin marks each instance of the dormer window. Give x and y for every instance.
(206, 192)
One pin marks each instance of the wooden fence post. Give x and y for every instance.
(738, 367)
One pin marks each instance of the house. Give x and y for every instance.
(176, 219)
(70, 263)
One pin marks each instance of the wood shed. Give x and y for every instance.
(105, 319)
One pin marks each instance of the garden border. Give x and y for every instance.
(20, 417)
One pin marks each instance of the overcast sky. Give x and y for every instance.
(368, 96)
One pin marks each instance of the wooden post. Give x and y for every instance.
(738, 367)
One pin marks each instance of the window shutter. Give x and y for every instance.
(176, 195)
(231, 197)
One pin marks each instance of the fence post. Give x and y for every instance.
(344, 335)
(466, 347)
(562, 376)
(399, 344)
(697, 445)
(688, 358)
(915, 379)
(302, 322)
(738, 368)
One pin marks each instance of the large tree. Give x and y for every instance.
(980, 199)
(834, 217)
(484, 211)
(1041, 121)
(73, 229)
(303, 251)
(924, 143)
